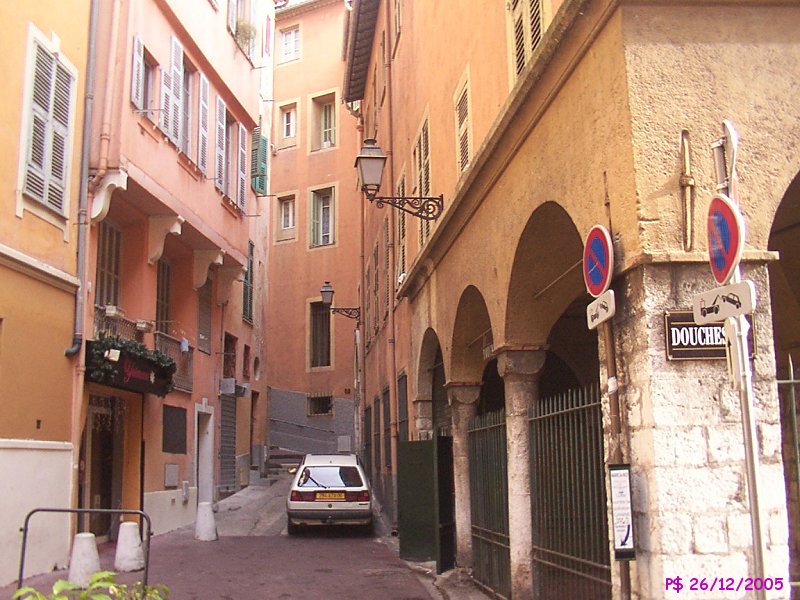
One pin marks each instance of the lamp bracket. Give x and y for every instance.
(428, 208)
(351, 312)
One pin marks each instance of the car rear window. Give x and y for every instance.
(327, 477)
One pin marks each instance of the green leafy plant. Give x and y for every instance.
(101, 370)
(102, 586)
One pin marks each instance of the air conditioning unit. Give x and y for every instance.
(227, 386)
(243, 391)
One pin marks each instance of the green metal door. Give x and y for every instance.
(417, 517)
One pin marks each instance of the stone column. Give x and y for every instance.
(463, 400)
(520, 371)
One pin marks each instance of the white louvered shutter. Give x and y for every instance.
(62, 99)
(137, 73)
(176, 64)
(462, 117)
(241, 179)
(219, 149)
(202, 127)
(233, 12)
(165, 122)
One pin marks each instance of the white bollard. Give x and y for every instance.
(205, 528)
(84, 560)
(129, 555)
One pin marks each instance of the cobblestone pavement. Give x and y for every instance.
(254, 558)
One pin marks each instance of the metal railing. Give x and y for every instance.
(568, 497)
(183, 355)
(488, 478)
(82, 511)
(115, 325)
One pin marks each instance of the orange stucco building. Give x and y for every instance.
(145, 283)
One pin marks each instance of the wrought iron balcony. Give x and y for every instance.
(109, 321)
(182, 353)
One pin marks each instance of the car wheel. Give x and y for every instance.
(292, 529)
(368, 529)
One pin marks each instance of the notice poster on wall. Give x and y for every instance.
(622, 511)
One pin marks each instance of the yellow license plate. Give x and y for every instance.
(330, 495)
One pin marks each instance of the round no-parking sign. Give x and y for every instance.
(598, 260)
(725, 237)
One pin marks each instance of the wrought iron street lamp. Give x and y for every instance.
(370, 163)
(326, 291)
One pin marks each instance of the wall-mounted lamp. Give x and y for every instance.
(370, 163)
(326, 291)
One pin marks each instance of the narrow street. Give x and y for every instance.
(254, 558)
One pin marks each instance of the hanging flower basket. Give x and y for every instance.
(130, 365)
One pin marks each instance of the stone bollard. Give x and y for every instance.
(84, 560)
(205, 528)
(129, 555)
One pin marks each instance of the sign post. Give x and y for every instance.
(726, 235)
(598, 269)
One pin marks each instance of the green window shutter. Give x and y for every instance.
(259, 152)
(316, 213)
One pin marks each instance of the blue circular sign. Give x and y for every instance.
(598, 260)
(725, 237)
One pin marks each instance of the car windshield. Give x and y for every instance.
(326, 477)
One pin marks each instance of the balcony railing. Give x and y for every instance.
(110, 322)
(182, 353)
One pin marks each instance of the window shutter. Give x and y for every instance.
(316, 220)
(258, 162)
(536, 23)
(176, 58)
(137, 73)
(401, 233)
(241, 180)
(165, 122)
(387, 272)
(219, 155)
(202, 129)
(462, 116)
(233, 11)
(62, 99)
(51, 108)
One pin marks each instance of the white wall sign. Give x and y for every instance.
(622, 511)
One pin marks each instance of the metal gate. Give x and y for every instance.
(227, 444)
(787, 391)
(488, 481)
(568, 497)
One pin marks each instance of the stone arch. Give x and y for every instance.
(472, 337)
(784, 285)
(546, 276)
(430, 383)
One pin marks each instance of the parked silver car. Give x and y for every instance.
(329, 489)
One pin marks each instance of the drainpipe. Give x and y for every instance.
(393, 408)
(83, 200)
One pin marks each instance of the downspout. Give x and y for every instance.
(390, 240)
(83, 199)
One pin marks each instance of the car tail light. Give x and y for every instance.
(301, 496)
(360, 496)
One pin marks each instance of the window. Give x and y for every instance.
(142, 74)
(320, 335)
(259, 153)
(368, 300)
(185, 144)
(204, 311)
(290, 44)
(422, 171)
(229, 356)
(241, 162)
(397, 21)
(322, 217)
(287, 212)
(319, 406)
(526, 28)
(173, 439)
(401, 235)
(222, 159)
(49, 123)
(202, 126)
(324, 122)
(247, 286)
(387, 431)
(171, 121)
(376, 430)
(376, 285)
(246, 361)
(402, 408)
(163, 281)
(108, 265)
(289, 123)
(386, 272)
(462, 118)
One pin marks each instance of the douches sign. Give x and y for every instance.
(686, 340)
